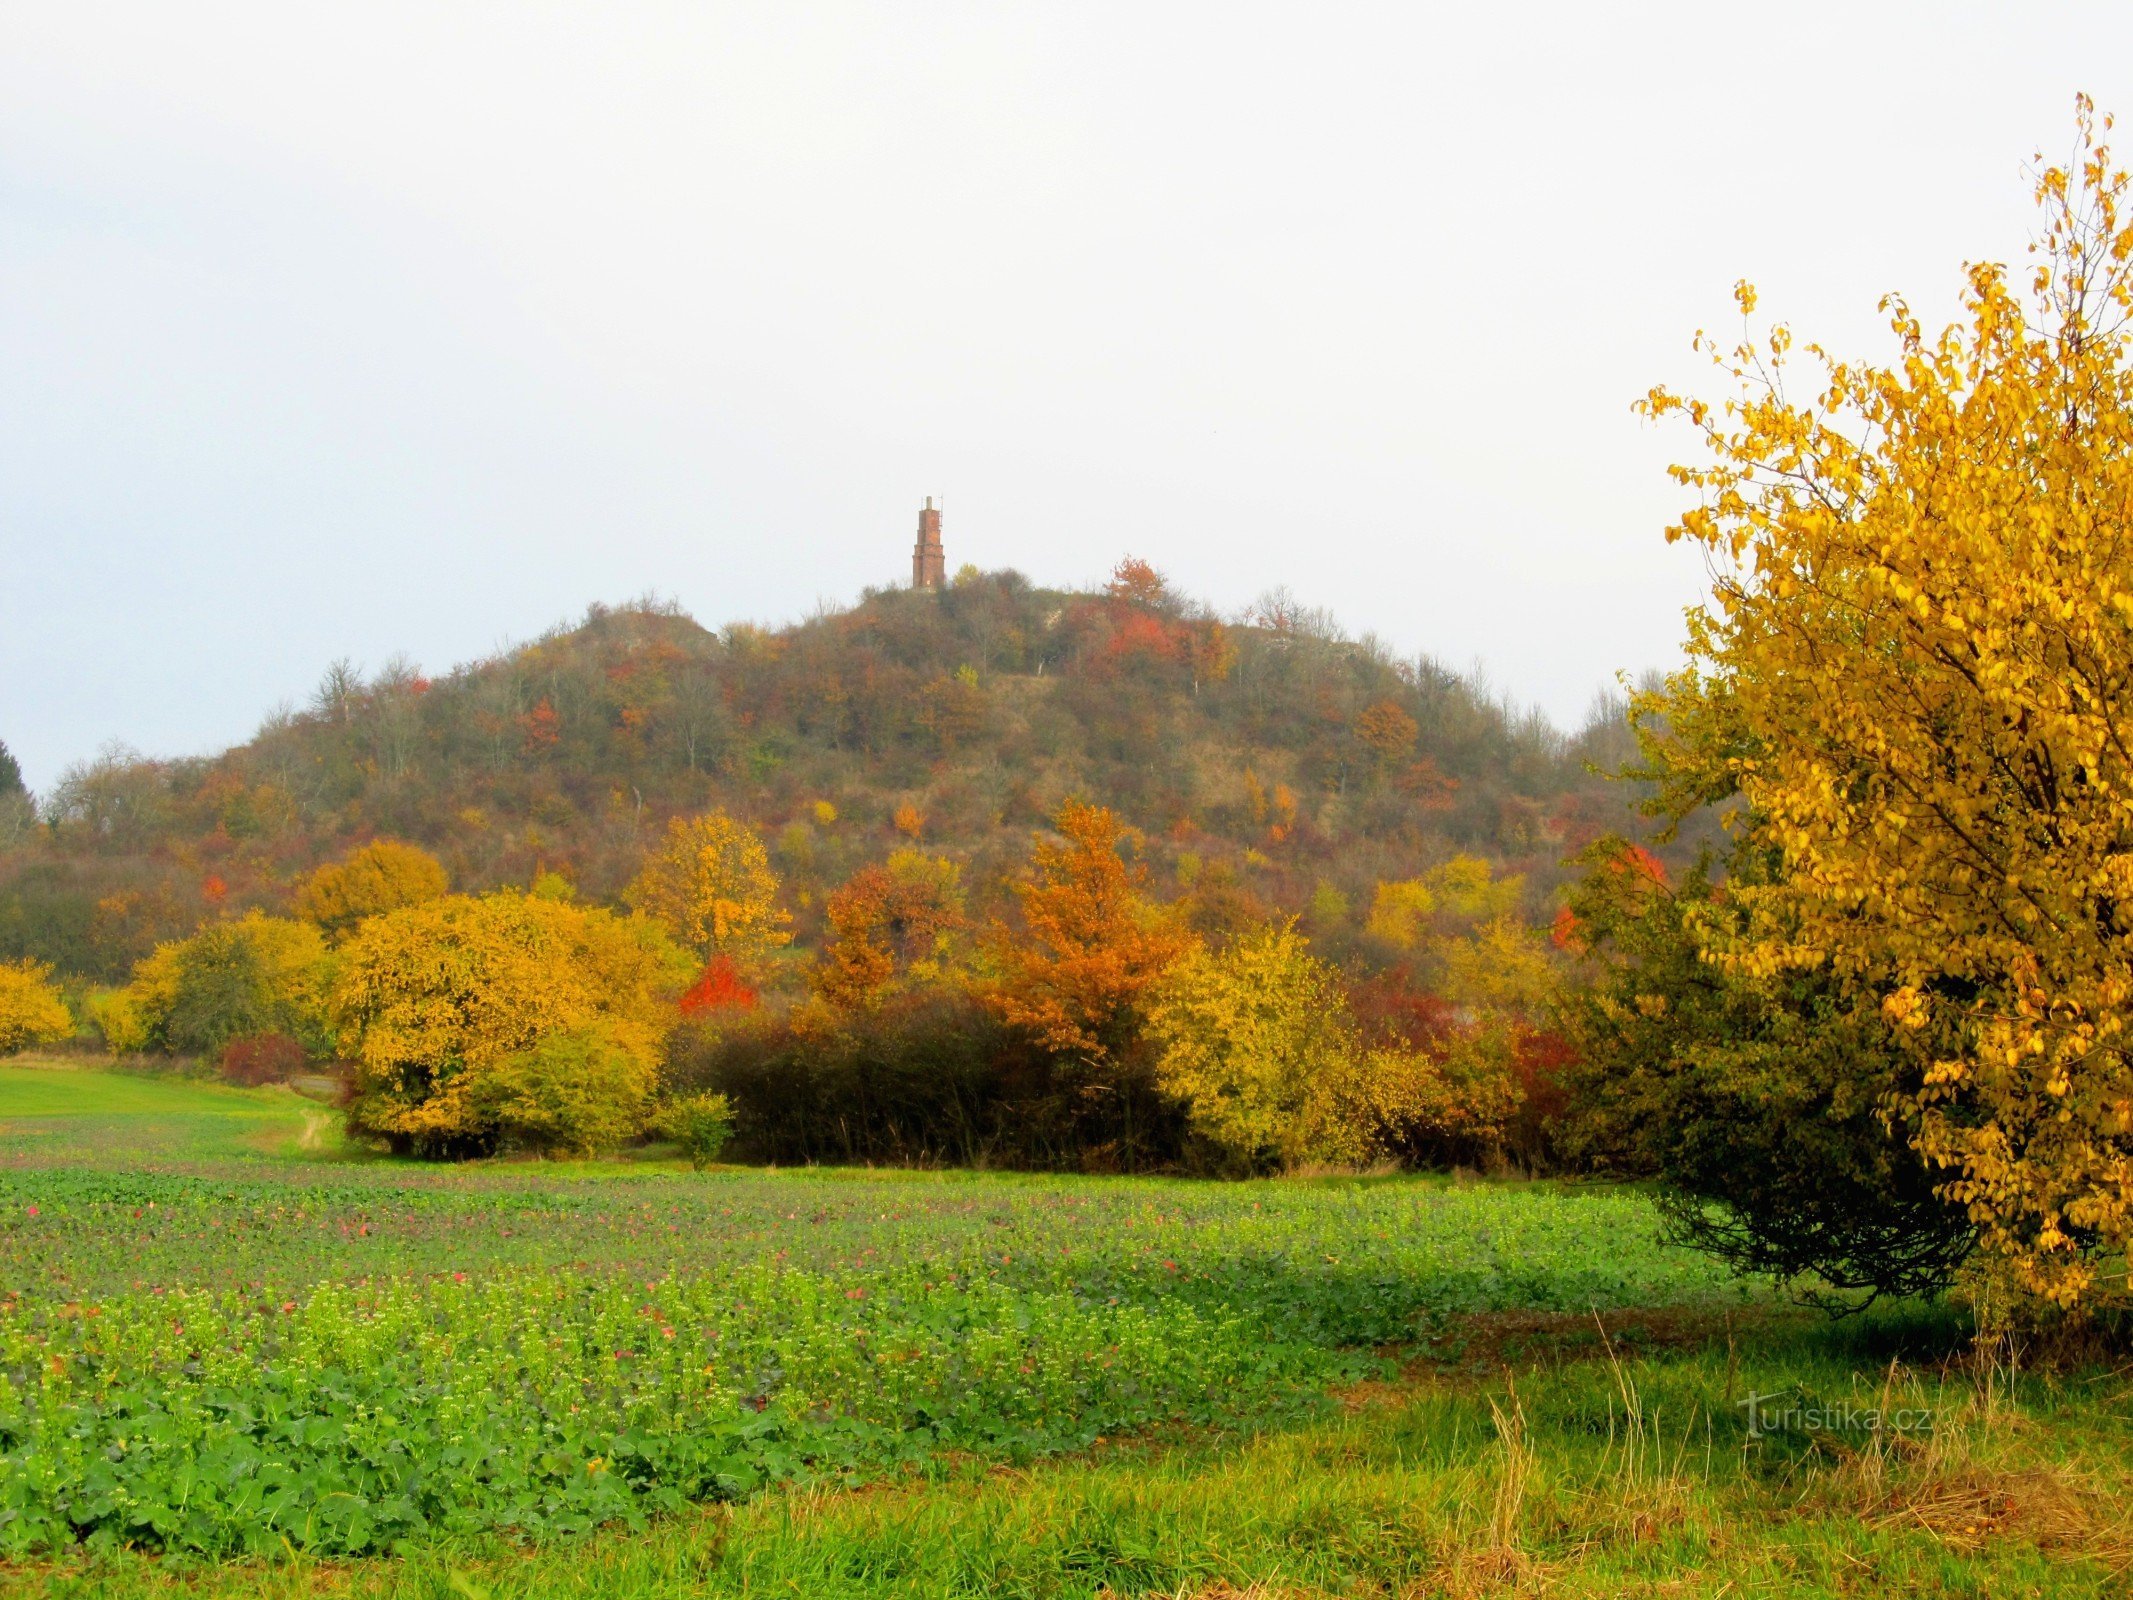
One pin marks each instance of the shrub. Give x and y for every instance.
(259, 974)
(262, 1058)
(31, 1011)
(700, 1123)
(578, 1092)
(932, 1077)
(1757, 1103)
(435, 998)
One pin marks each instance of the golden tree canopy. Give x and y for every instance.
(1256, 1040)
(382, 876)
(31, 1011)
(711, 885)
(1917, 674)
(437, 1000)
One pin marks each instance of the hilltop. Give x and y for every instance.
(1273, 763)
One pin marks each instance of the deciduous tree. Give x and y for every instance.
(711, 885)
(450, 1009)
(255, 975)
(890, 925)
(1092, 942)
(1916, 672)
(382, 876)
(31, 1011)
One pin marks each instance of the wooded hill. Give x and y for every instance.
(1274, 764)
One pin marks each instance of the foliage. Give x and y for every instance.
(719, 987)
(700, 1123)
(257, 974)
(710, 883)
(10, 772)
(439, 998)
(926, 1076)
(1255, 1040)
(1755, 1101)
(31, 1011)
(1091, 942)
(1468, 888)
(890, 926)
(1915, 672)
(1399, 912)
(579, 1091)
(382, 876)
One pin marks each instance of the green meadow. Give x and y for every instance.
(242, 1358)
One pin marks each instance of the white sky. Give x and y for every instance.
(346, 329)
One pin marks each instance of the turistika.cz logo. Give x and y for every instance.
(1783, 1413)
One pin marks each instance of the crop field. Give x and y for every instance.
(238, 1359)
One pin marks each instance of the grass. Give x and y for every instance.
(955, 1384)
(53, 1109)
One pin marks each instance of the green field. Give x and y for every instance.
(243, 1359)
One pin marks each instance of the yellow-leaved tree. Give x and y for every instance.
(711, 885)
(1256, 1041)
(232, 980)
(382, 876)
(504, 1018)
(1916, 674)
(1259, 1040)
(31, 1011)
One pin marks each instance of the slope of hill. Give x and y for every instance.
(1273, 763)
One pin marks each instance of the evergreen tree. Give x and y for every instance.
(10, 772)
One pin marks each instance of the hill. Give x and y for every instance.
(1274, 763)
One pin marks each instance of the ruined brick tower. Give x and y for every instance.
(929, 567)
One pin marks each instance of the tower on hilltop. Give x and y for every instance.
(929, 566)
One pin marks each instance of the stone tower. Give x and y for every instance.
(929, 567)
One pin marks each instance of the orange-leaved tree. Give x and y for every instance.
(889, 925)
(1916, 673)
(1077, 975)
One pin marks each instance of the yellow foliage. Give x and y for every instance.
(1501, 967)
(825, 814)
(382, 876)
(1466, 887)
(258, 974)
(711, 885)
(1255, 1040)
(31, 1011)
(1400, 912)
(440, 1004)
(1463, 889)
(1917, 673)
(1405, 1098)
(1258, 1041)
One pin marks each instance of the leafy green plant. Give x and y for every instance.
(700, 1123)
(248, 1358)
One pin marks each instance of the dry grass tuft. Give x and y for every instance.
(2043, 1505)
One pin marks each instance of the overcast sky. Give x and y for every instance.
(350, 329)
